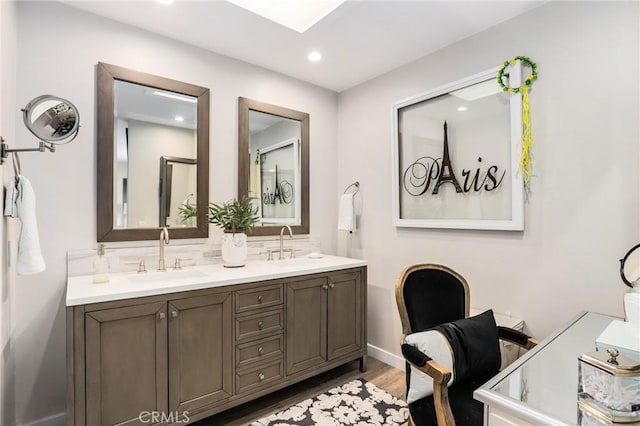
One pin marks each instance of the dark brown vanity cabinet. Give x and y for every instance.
(200, 352)
(168, 357)
(325, 318)
(126, 363)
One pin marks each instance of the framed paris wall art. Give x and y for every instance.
(456, 156)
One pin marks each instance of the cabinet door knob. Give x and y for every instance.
(174, 314)
(261, 376)
(324, 286)
(260, 325)
(161, 315)
(259, 299)
(331, 285)
(260, 350)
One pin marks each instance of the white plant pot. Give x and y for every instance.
(234, 249)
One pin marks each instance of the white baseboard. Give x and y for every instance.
(55, 420)
(386, 357)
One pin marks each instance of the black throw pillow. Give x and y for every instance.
(475, 344)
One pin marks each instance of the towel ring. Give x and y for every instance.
(356, 184)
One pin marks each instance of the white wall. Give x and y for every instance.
(7, 130)
(58, 48)
(583, 214)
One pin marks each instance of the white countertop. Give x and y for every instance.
(82, 290)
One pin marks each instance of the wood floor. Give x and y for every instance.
(382, 375)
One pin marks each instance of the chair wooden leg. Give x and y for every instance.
(441, 404)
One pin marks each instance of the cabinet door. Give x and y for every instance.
(126, 363)
(306, 324)
(344, 330)
(200, 351)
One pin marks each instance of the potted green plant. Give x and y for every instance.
(187, 211)
(235, 217)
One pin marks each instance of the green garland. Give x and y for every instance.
(530, 78)
(526, 137)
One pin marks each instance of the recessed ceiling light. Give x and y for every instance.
(176, 97)
(165, 1)
(314, 56)
(297, 15)
(462, 108)
(178, 118)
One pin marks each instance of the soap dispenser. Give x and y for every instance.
(101, 267)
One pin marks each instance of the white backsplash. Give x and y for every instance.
(126, 259)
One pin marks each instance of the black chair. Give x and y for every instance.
(434, 297)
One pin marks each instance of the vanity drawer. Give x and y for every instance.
(265, 296)
(259, 325)
(264, 349)
(259, 376)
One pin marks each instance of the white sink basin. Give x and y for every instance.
(166, 276)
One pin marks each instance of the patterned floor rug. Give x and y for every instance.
(355, 403)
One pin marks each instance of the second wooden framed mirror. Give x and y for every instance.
(273, 168)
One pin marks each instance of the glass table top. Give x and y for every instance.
(548, 380)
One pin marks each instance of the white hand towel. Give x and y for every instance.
(346, 213)
(20, 202)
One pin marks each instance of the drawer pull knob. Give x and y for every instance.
(259, 299)
(260, 325)
(331, 285)
(324, 286)
(260, 350)
(174, 314)
(261, 376)
(161, 315)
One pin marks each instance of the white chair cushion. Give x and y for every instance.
(435, 346)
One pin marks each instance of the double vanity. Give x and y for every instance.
(194, 342)
(181, 345)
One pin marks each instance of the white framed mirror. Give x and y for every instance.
(277, 175)
(456, 156)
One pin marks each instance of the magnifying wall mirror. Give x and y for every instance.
(51, 119)
(630, 266)
(153, 155)
(274, 165)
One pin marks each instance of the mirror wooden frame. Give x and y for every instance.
(244, 107)
(106, 232)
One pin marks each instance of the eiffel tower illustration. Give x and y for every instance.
(446, 171)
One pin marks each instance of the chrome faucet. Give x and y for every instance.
(164, 239)
(281, 238)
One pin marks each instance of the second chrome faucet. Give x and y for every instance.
(164, 239)
(281, 256)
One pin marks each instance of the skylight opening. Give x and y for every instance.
(297, 15)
